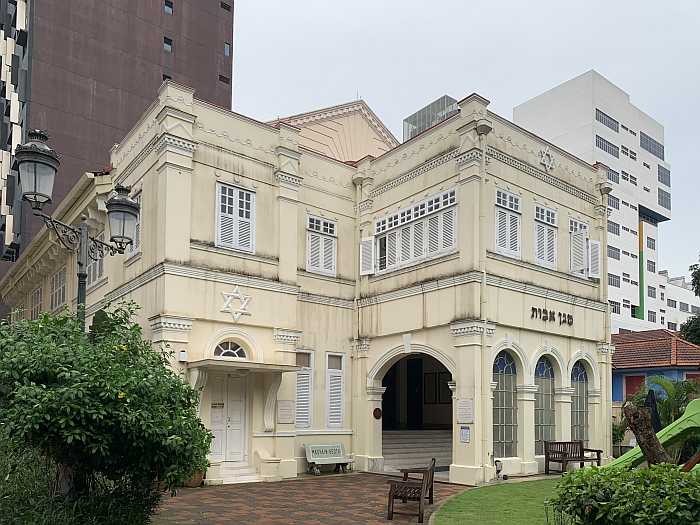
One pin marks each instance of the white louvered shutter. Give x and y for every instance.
(501, 229)
(245, 221)
(448, 228)
(551, 246)
(335, 398)
(328, 254)
(304, 392)
(405, 235)
(514, 233)
(433, 234)
(418, 229)
(594, 259)
(391, 249)
(313, 255)
(540, 243)
(367, 256)
(578, 251)
(225, 216)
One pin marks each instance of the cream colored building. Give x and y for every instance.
(297, 291)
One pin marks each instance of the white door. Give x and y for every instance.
(227, 418)
(235, 419)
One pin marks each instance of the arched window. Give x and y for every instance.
(579, 403)
(229, 349)
(505, 407)
(544, 404)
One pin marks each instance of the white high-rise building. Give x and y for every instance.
(594, 119)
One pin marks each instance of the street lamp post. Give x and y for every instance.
(37, 164)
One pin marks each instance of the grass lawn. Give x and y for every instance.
(510, 503)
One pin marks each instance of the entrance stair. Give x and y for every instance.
(415, 448)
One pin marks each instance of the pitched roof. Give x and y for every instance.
(654, 349)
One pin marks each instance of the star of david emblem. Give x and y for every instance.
(546, 159)
(230, 306)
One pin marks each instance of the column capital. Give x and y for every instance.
(287, 336)
(563, 394)
(527, 392)
(172, 328)
(452, 385)
(375, 393)
(361, 347)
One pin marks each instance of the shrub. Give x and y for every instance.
(104, 409)
(659, 495)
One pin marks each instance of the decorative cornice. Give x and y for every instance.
(361, 346)
(606, 348)
(562, 393)
(473, 155)
(170, 322)
(541, 175)
(338, 302)
(287, 336)
(375, 393)
(287, 178)
(179, 144)
(365, 205)
(471, 327)
(415, 172)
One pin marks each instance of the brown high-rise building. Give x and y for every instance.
(85, 70)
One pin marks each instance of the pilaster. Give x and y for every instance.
(562, 411)
(526, 428)
(289, 180)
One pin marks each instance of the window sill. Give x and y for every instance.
(211, 248)
(132, 258)
(537, 267)
(97, 284)
(333, 278)
(419, 263)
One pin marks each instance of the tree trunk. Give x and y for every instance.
(639, 421)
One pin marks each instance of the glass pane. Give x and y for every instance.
(335, 362)
(304, 359)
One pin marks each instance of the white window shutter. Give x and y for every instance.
(594, 259)
(578, 251)
(405, 235)
(540, 243)
(225, 220)
(448, 228)
(245, 221)
(304, 393)
(501, 229)
(551, 246)
(418, 229)
(335, 398)
(367, 256)
(433, 234)
(514, 233)
(313, 251)
(329, 254)
(391, 249)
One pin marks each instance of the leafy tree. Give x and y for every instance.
(690, 330)
(695, 278)
(102, 406)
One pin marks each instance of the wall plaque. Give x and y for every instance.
(285, 411)
(464, 434)
(465, 411)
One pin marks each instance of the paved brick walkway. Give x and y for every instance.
(344, 499)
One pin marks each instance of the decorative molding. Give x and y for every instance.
(365, 205)
(541, 175)
(415, 172)
(375, 393)
(287, 336)
(526, 392)
(606, 348)
(271, 402)
(468, 157)
(547, 159)
(362, 345)
(179, 144)
(171, 322)
(471, 327)
(563, 394)
(289, 179)
(243, 300)
(452, 385)
(338, 302)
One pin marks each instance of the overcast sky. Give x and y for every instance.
(295, 56)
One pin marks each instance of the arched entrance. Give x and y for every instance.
(416, 413)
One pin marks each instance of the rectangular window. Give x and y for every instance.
(167, 44)
(304, 404)
(423, 231)
(321, 246)
(35, 303)
(58, 288)
(545, 236)
(652, 146)
(683, 307)
(672, 326)
(615, 307)
(607, 147)
(651, 316)
(664, 199)
(95, 269)
(613, 202)
(651, 243)
(235, 218)
(651, 266)
(651, 292)
(508, 200)
(507, 232)
(624, 151)
(224, 79)
(607, 120)
(225, 6)
(613, 280)
(625, 176)
(613, 228)
(664, 176)
(671, 303)
(334, 387)
(135, 246)
(613, 252)
(613, 176)
(633, 155)
(633, 384)
(695, 309)
(168, 7)
(633, 180)
(227, 49)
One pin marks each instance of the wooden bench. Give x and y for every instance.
(412, 489)
(566, 452)
(327, 455)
